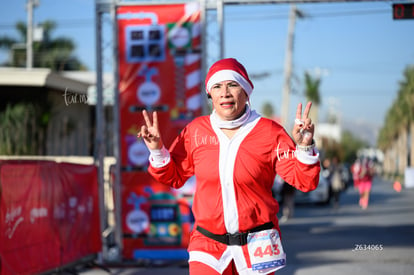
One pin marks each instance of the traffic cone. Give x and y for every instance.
(397, 186)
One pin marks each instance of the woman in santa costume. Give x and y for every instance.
(235, 155)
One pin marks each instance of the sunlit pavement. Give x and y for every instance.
(321, 239)
(349, 240)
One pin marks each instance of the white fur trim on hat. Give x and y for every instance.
(229, 75)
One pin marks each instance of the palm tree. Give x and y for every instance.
(312, 94)
(56, 53)
(401, 112)
(399, 120)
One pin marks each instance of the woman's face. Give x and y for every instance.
(228, 99)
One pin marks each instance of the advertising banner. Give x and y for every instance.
(49, 215)
(156, 219)
(159, 70)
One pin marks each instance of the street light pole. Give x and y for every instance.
(29, 32)
(29, 35)
(288, 68)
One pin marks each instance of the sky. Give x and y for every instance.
(356, 48)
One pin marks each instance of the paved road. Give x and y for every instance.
(347, 240)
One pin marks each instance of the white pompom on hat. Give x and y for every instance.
(228, 69)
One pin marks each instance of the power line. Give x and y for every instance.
(61, 23)
(255, 17)
(77, 23)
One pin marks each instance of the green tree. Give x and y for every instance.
(350, 146)
(23, 129)
(267, 110)
(345, 150)
(312, 94)
(54, 53)
(401, 112)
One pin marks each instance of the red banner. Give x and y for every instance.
(159, 69)
(155, 217)
(49, 215)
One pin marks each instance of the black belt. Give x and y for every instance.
(239, 238)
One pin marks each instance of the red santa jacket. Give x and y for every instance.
(234, 177)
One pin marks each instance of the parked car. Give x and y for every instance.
(321, 195)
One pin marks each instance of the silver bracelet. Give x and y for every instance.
(308, 148)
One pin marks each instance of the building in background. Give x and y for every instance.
(64, 112)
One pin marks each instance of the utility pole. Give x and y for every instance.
(288, 65)
(29, 32)
(220, 22)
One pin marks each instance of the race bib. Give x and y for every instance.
(266, 251)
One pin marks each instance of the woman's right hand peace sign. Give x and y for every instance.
(150, 131)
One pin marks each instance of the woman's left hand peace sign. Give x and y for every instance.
(303, 129)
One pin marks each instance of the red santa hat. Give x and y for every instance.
(228, 69)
